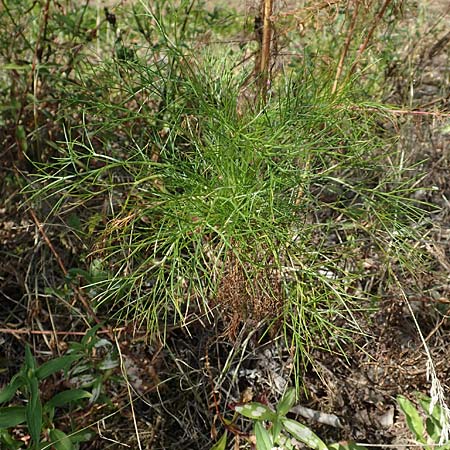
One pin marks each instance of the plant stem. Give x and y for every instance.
(348, 40)
(265, 48)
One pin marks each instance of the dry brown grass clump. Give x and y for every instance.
(248, 293)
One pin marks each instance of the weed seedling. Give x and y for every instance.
(38, 417)
(273, 429)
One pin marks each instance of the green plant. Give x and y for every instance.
(172, 194)
(273, 429)
(430, 424)
(95, 362)
(263, 212)
(36, 415)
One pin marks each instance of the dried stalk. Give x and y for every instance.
(265, 47)
(344, 53)
(364, 45)
(77, 291)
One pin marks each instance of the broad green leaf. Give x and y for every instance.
(263, 438)
(413, 419)
(433, 429)
(109, 362)
(75, 272)
(60, 440)
(34, 411)
(425, 403)
(287, 402)
(8, 392)
(433, 421)
(102, 343)
(84, 435)
(55, 365)
(256, 411)
(12, 416)
(66, 397)
(221, 444)
(303, 434)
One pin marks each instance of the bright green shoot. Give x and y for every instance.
(273, 429)
(39, 417)
(429, 424)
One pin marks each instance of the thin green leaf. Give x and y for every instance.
(221, 444)
(12, 416)
(263, 438)
(30, 362)
(55, 365)
(96, 390)
(60, 440)
(89, 338)
(303, 434)
(256, 411)
(276, 428)
(66, 397)
(34, 411)
(287, 402)
(413, 419)
(8, 392)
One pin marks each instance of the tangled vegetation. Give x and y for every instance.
(192, 170)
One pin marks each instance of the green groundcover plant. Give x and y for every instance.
(37, 416)
(21, 405)
(193, 196)
(429, 424)
(177, 193)
(273, 429)
(283, 431)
